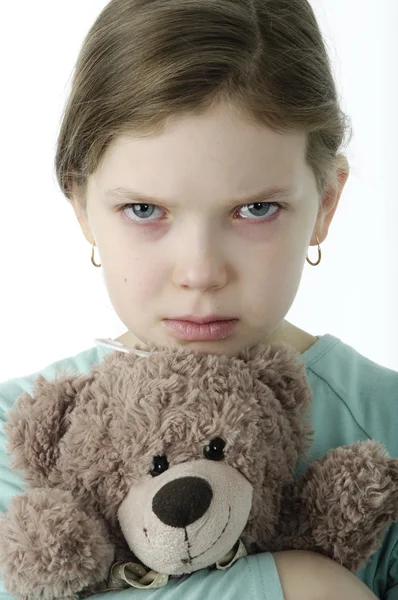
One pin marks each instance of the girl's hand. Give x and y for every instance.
(311, 576)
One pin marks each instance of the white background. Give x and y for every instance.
(53, 302)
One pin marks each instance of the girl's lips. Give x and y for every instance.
(188, 330)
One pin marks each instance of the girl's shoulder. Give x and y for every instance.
(79, 363)
(353, 397)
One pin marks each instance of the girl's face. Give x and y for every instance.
(196, 245)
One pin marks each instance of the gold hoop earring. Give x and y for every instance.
(319, 255)
(92, 258)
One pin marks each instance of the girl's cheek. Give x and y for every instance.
(248, 230)
(256, 232)
(146, 232)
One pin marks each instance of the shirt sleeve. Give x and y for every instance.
(253, 577)
(392, 593)
(392, 590)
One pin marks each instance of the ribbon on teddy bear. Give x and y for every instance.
(115, 345)
(129, 574)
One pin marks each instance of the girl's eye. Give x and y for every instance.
(260, 209)
(144, 212)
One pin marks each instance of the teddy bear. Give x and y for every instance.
(157, 465)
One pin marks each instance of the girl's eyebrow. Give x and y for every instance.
(272, 193)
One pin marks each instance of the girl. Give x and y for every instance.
(200, 150)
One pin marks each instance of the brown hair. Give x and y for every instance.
(144, 62)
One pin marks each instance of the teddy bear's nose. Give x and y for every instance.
(182, 501)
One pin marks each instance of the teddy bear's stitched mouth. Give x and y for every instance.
(191, 558)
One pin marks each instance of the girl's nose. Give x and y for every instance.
(200, 257)
(200, 270)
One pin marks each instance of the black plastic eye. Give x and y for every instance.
(214, 449)
(159, 465)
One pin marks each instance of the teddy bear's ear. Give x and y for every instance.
(280, 367)
(37, 422)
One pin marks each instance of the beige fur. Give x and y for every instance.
(86, 445)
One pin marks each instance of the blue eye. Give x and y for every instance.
(141, 211)
(260, 209)
(144, 212)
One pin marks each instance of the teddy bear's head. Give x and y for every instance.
(182, 452)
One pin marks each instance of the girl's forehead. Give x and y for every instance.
(210, 136)
(233, 167)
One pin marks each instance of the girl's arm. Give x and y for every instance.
(311, 576)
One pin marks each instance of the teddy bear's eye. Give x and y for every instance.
(214, 449)
(159, 465)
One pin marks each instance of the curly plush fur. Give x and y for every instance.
(86, 445)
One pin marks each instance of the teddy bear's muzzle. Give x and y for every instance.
(187, 518)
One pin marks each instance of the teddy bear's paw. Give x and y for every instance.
(365, 480)
(350, 499)
(50, 547)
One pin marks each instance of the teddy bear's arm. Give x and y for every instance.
(342, 504)
(51, 547)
